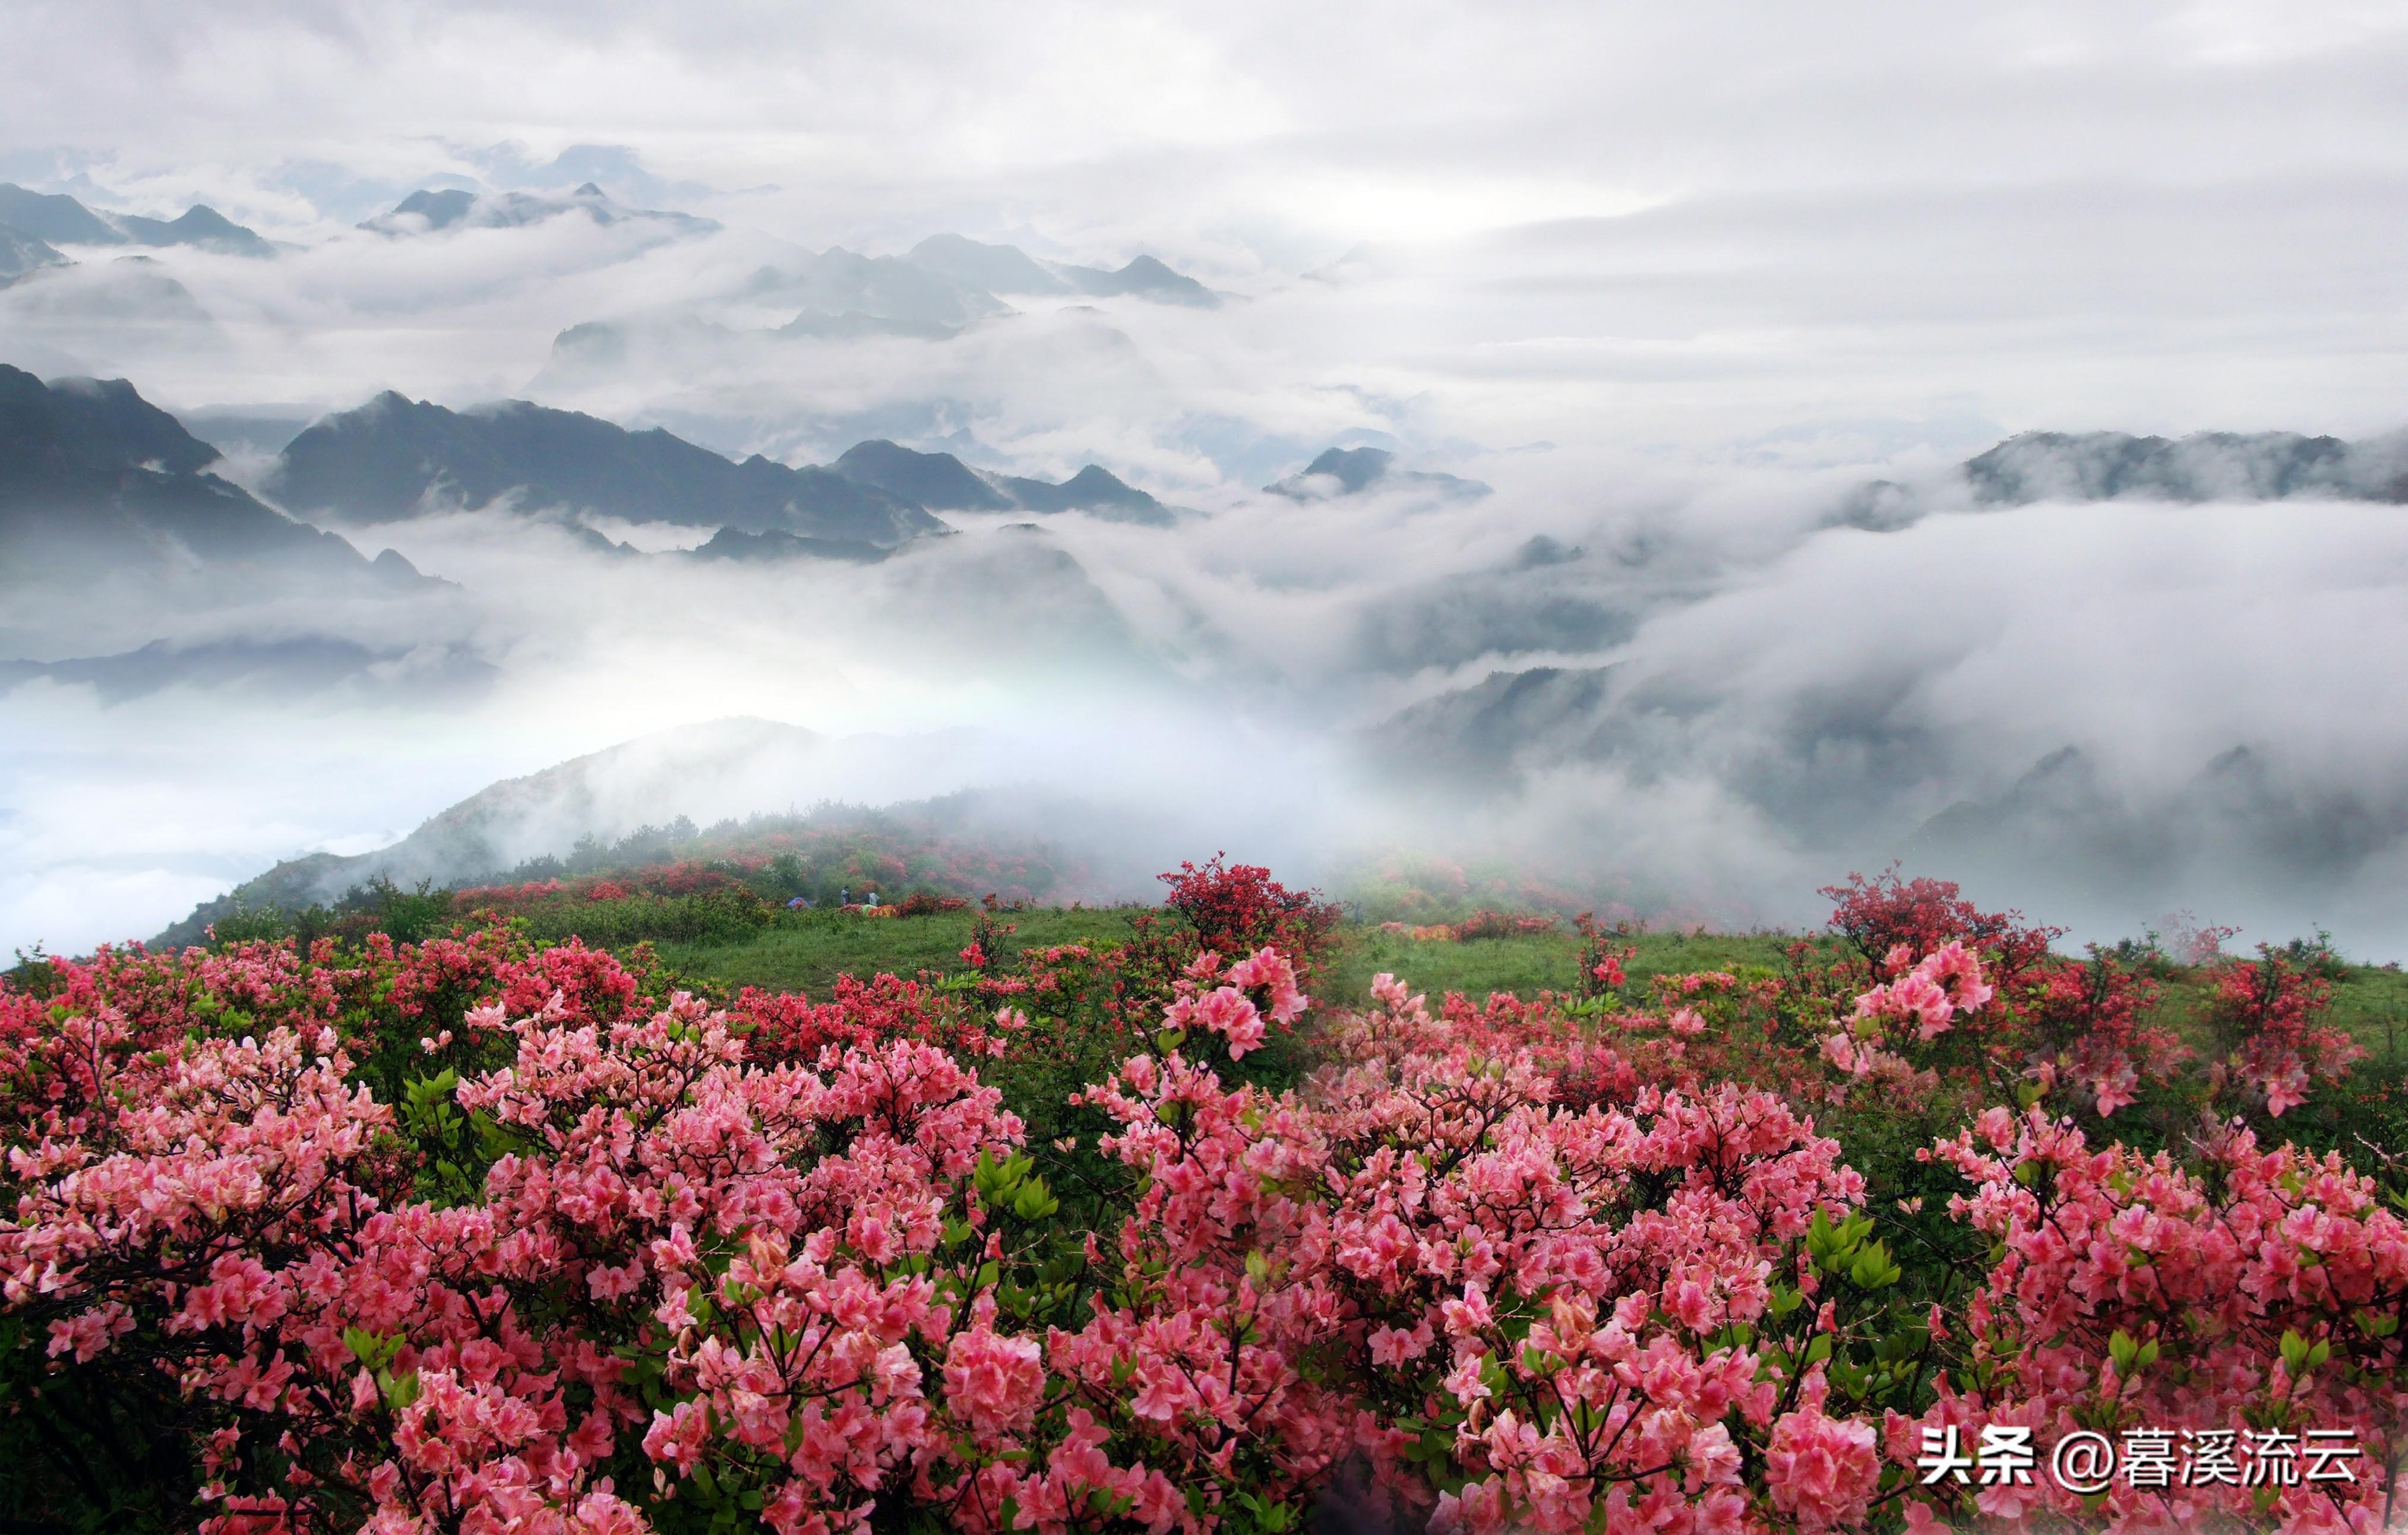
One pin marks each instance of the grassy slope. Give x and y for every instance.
(2373, 1004)
(807, 951)
(1524, 964)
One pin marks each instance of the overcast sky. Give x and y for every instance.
(1709, 221)
(1753, 218)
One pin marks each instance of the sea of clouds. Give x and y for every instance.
(1674, 288)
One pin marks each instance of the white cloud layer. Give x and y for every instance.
(1673, 280)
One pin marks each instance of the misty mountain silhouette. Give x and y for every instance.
(1144, 277)
(127, 295)
(937, 481)
(2203, 467)
(1093, 489)
(60, 219)
(2236, 825)
(21, 254)
(439, 209)
(997, 269)
(1351, 471)
(54, 216)
(942, 482)
(853, 325)
(841, 282)
(287, 668)
(604, 793)
(198, 225)
(769, 548)
(397, 458)
(95, 481)
(1008, 269)
(427, 210)
(1470, 738)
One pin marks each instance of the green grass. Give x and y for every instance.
(805, 951)
(1522, 964)
(2372, 1003)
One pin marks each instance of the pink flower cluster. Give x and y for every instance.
(1420, 1263)
(1925, 996)
(2262, 1291)
(606, 1257)
(1230, 1009)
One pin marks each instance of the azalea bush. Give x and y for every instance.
(487, 1232)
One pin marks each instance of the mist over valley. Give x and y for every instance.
(1683, 533)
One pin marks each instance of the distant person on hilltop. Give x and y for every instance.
(844, 895)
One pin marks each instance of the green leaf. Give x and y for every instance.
(2295, 1354)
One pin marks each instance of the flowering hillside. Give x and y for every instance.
(483, 1232)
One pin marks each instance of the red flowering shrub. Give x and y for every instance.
(1603, 952)
(1485, 923)
(1881, 915)
(1238, 906)
(1975, 1007)
(2264, 1013)
(928, 903)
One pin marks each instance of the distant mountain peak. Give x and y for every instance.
(997, 269)
(95, 478)
(1008, 269)
(438, 208)
(55, 218)
(943, 483)
(427, 210)
(937, 481)
(394, 458)
(1145, 278)
(2203, 467)
(2095, 466)
(1353, 471)
(21, 255)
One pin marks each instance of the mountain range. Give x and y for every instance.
(97, 482)
(945, 283)
(21, 255)
(2203, 467)
(1008, 269)
(1354, 471)
(397, 458)
(603, 794)
(424, 212)
(301, 667)
(56, 219)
